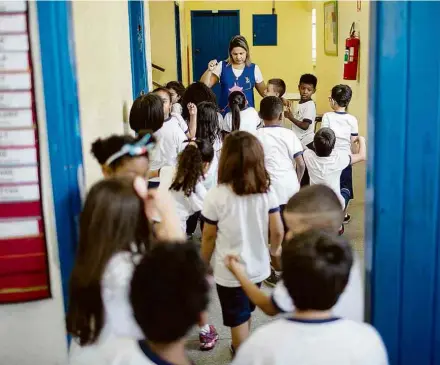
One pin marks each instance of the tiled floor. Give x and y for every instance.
(221, 355)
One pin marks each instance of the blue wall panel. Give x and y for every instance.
(403, 180)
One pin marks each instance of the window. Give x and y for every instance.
(314, 37)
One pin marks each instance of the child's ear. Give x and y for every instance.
(281, 116)
(106, 171)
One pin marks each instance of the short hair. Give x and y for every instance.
(279, 86)
(147, 113)
(308, 79)
(177, 86)
(166, 309)
(324, 142)
(196, 93)
(319, 206)
(242, 164)
(271, 107)
(342, 95)
(316, 268)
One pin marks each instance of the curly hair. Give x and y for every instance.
(190, 166)
(207, 122)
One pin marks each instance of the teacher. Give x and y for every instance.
(236, 73)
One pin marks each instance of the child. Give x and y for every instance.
(326, 164)
(114, 232)
(195, 94)
(166, 97)
(316, 268)
(313, 207)
(185, 182)
(145, 114)
(166, 307)
(275, 87)
(346, 130)
(207, 128)
(283, 156)
(241, 217)
(177, 90)
(241, 117)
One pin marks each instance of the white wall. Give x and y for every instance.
(34, 333)
(102, 46)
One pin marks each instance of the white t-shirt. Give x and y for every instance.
(242, 229)
(170, 142)
(334, 341)
(281, 147)
(249, 121)
(303, 111)
(350, 304)
(177, 108)
(185, 206)
(344, 125)
(212, 174)
(182, 124)
(237, 73)
(327, 170)
(119, 320)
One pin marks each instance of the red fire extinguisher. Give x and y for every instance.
(351, 56)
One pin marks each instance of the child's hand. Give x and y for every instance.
(212, 65)
(288, 113)
(192, 109)
(232, 262)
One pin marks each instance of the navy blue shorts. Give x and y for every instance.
(347, 183)
(236, 306)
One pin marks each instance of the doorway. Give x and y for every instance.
(209, 45)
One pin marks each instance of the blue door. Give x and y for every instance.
(137, 47)
(211, 33)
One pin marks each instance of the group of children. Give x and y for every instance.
(139, 285)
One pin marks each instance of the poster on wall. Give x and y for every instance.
(331, 28)
(24, 269)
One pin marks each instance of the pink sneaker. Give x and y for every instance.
(208, 339)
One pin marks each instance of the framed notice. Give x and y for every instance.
(24, 269)
(331, 28)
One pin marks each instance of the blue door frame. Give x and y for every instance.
(63, 127)
(137, 47)
(178, 46)
(403, 180)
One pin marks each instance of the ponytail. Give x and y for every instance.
(237, 103)
(190, 166)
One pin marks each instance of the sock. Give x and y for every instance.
(204, 328)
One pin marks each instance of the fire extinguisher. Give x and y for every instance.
(351, 56)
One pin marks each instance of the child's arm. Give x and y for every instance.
(255, 294)
(209, 78)
(192, 109)
(261, 88)
(362, 153)
(276, 233)
(305, 124)
(209, 236)
(300, 166)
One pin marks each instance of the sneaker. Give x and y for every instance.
(347, 218)
(273, 279)
(208, 339)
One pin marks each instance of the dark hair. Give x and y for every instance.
(271, 108)
(242, 164)
(342, 95)
(316, 267)
(319, 206)
(113, 220)
(196, 93)
(308, 79)
(237, 102)
(190, 166)
(207, 122)
(177, 86)
(102, 149)
(174, 303)
(164, 90)
(324, 142)
(147, 113)
(239, 41)
(279, 85)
